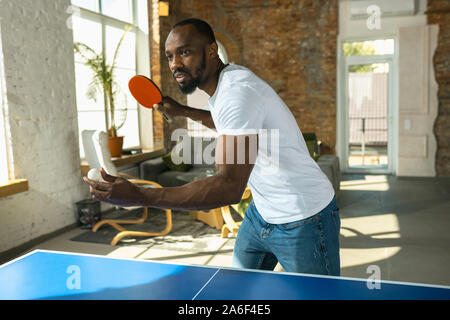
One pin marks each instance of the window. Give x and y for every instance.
(3, 153)
(100, 25)
(92, 5)
(366, 99)
(3, 147)
(369, 47)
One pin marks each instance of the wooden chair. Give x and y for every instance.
(97, 155)
(230, 224)
(116, 223)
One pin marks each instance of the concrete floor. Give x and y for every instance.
(400, 225)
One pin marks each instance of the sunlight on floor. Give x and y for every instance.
(364, 229)
(370, 183)
(355, 257)
(370, 226)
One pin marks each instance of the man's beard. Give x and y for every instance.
(195, 82)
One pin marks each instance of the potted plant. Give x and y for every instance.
(103, 82)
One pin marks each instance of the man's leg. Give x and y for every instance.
(250, 252)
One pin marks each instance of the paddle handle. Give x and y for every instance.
(168, 119)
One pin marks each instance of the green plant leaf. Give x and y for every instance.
(103, 79)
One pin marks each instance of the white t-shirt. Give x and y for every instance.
(286, 183)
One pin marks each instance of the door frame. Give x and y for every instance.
(342, 107)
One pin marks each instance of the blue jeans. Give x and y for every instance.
(309, 245)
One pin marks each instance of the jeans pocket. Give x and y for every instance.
(295, 224)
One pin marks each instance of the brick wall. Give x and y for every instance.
(289, 44)
(438, 12)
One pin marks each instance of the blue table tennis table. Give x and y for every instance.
(54, 275)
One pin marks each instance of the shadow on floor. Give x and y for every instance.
(399, 225)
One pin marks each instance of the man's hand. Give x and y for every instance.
(173, 109)
(235, 159)
(117, 191)
(170, 107)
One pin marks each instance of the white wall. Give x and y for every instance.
(42, 114)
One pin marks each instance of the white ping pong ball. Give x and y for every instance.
(94, 174)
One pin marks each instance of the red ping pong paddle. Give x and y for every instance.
(146, 92)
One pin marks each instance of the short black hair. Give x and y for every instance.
(202, 27)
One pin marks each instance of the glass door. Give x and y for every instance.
(368, 107)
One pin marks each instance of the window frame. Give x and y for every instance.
(145, 137)
(342, 64)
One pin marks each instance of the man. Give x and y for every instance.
(293, 218)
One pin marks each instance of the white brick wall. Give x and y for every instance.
(40, 84)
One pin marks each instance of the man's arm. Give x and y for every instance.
(224, 188)
(174, 109)
(199, 115)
